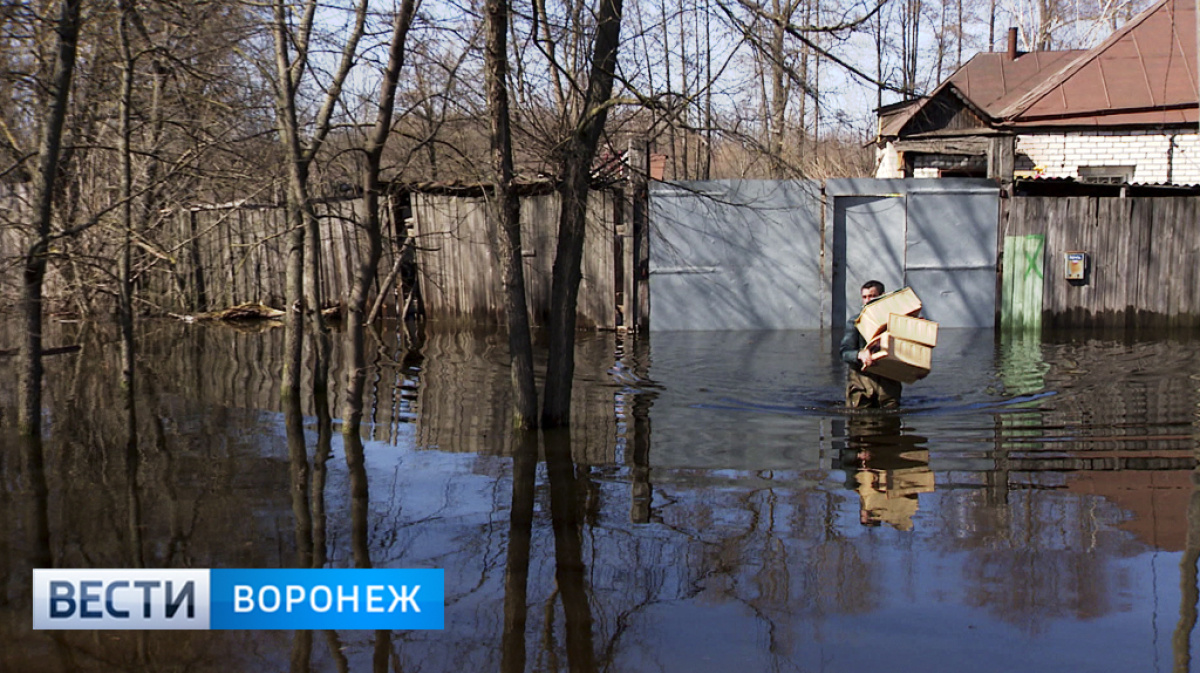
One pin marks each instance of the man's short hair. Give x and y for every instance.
(873, 285)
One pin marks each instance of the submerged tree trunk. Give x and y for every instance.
(302, 525)
(577, 164)
(29, 365)
(508, 209)
(369, 266)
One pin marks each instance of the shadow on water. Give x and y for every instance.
(1033, 505)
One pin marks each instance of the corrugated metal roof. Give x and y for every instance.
(1144, 74)
(986, 83)
(1065, 186)
(1145, 68)
(992, 80)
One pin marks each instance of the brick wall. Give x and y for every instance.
(1157, 156)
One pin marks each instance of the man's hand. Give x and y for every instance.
(866, 357)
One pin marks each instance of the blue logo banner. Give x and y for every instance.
(202, 599)
(332, 598)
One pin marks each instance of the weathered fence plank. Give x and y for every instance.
(1144, 253)
(460, 275)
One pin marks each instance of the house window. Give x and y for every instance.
(1105, 175)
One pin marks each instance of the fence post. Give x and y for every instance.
(638, 317)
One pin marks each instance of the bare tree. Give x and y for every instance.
(508, 214)
(910, 44)
(303, 282)
(29, 367)
(368, 267)
(577, 154)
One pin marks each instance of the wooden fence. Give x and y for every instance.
(460, 276)
(237, 254)
(211, 257)
(1143, 256)
(206, 258)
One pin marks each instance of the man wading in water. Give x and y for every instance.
(865, 389)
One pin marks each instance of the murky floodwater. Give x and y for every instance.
(1032, 508)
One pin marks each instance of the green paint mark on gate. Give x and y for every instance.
(1021, 293)
(1033, 259)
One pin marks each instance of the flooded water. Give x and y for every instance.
(1032, 507)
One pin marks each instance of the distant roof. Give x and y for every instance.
(992, 80)
(988, 83)
(1143, 74)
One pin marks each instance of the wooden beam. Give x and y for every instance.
(968, 146)
(1002, 158)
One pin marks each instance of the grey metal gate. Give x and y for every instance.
(760, 254)
(938, 236)
(735, 255)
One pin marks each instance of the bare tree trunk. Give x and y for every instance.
(125, 295)
(684, 94)
(673, 129)
(959, 35)
(779, 88)
(992, 25)
(302, 221)
(708, 93)
(879, 60)
(911, 43)
(368, 267)
(296, 196)
(807, 56)
(29, 365)
(814, 89)
(1046, 17)
(577, 163)
(546, 39)
(386, 285)
(508, 210)
(941, 45)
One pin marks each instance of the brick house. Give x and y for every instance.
(1122, 112)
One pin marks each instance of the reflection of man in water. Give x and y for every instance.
(877, 504)
(864, 388)
(889, 468)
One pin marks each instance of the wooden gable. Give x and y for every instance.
(945, 111)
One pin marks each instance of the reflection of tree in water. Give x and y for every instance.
(1029, 588)
(168, 498)
(771, 553)
(1042, 556)
(198, 471)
